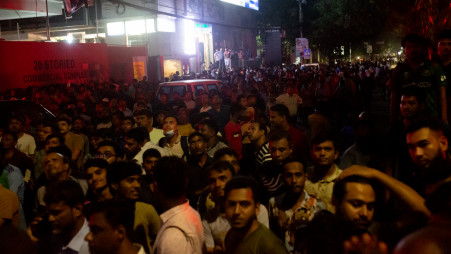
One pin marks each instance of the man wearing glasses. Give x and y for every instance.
(109, 151)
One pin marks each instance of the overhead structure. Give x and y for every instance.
(71, 6)
(20, 9)
(251, 4)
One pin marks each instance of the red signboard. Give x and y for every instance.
(24, 64)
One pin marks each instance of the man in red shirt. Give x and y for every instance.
(233, 129)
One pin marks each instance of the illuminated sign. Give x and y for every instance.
(251, 4)
(199, 25)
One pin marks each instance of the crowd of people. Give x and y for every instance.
(280, 160)
(226, 59)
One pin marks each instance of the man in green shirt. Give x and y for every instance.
(418, 71)
(247, 235)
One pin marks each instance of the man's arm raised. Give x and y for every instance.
(402, 191)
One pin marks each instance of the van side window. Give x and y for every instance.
(212, 87)
(198, 90)
(180, 90)
(164, 89)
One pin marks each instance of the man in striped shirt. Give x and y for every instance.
(258, 131)
(280, 148)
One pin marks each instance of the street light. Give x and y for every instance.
(350, 55)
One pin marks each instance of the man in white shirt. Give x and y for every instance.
(227, 60)
(189, 102)
(181, 229)
(25, 143)
(221, 60)
(173, 143)
(136, 143)
(205, 103)
(144, 119)
(217, 59)
(291, 100)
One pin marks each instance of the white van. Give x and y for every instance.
(196, 86)
(314, 66)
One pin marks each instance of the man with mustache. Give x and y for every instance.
(399, 162)
(57, 168)
(63, 227)
(209, 129)
(111, 229)
(198, 160)
(355, 200)
(294, 208)
(280, 148)
(173, 143)
(428, 148)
